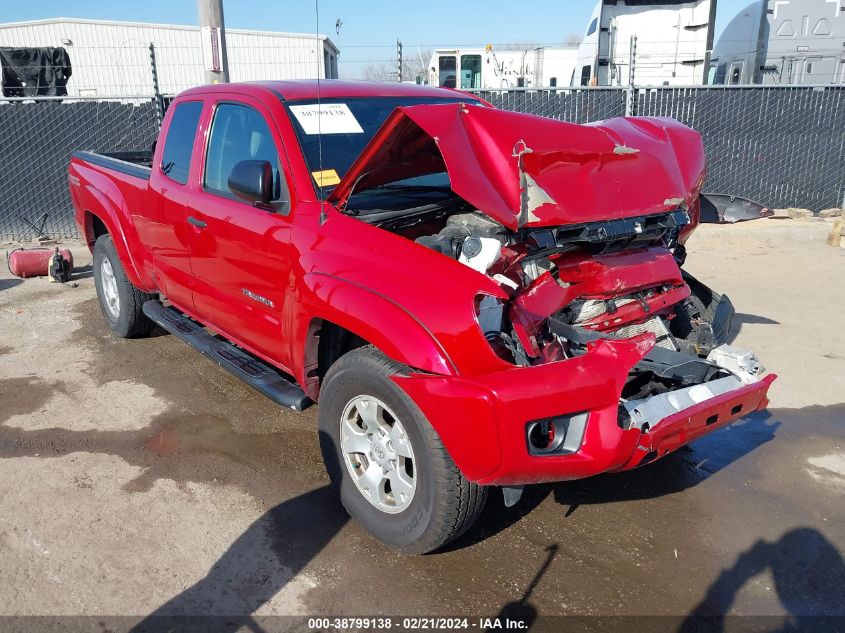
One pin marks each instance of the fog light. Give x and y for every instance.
(560, 435)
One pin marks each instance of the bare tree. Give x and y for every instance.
(379, 71)
(573, 39)
(414, 64)
(516, 46)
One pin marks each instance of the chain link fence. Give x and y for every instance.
(573, 105)
(37, 138)
(781, 146)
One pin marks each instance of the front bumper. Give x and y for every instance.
(482, 420)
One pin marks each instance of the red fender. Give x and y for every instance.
(373, 317)
(103, 199)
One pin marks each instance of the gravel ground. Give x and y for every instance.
(138, 478)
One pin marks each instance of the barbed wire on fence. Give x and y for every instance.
(125, 68)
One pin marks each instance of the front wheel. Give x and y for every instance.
(393, 473)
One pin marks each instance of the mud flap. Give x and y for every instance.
(512, 495)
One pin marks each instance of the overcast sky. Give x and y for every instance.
(370, 28)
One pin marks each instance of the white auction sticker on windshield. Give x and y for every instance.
(326, 118)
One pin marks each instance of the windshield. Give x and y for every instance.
(345, 127)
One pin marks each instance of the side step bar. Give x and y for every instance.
(256, 373)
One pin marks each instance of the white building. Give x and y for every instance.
(113, 58)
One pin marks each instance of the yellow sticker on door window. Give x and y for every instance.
(326, 177)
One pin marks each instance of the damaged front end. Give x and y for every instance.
(618, 356)
(610, 355)
(570, 287)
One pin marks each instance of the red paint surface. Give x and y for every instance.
(412, 303)
(610, 161)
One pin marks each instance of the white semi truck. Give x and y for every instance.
(486, 69)
(782, 42)
(672, 46)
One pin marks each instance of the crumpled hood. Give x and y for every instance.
(525, 170)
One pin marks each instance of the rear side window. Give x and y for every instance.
(179, 144)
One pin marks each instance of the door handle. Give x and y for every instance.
(196, 222)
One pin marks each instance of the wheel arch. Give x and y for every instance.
(101, 216)
(93, 228)
(345, 316)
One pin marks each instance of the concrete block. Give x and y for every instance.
(834, 238)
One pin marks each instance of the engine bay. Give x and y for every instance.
(570, 286)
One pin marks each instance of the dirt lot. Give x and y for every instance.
(138, 477)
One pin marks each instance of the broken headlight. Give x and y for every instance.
(492, 318)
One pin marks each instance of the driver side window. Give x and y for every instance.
(238, 133)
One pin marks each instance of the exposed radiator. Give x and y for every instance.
(656, 326)
(592, 308)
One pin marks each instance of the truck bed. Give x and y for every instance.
(134, 163)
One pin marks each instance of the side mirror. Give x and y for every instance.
(252, 180)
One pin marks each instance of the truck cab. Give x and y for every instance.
(486, 69)
(667, 42)
(457, 69)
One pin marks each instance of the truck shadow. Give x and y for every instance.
(740, 319)
(257, 565)
(809, 579)
(678, 471)
(5, 284)
(82, 272)
(261, 562)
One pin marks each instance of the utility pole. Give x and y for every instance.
(156, 88)
(213, 32)
(630, 91)
(399, 61)
(708, 53)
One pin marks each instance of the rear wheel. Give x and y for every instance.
(120, 302)
(387, 461)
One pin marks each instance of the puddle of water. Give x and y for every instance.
(164, 442)
(184, 447)
(198, 434)
(25, 395)
(828, 468)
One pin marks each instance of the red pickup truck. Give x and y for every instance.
(475, 297)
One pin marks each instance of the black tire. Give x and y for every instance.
(130, 321)
(445, 503)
